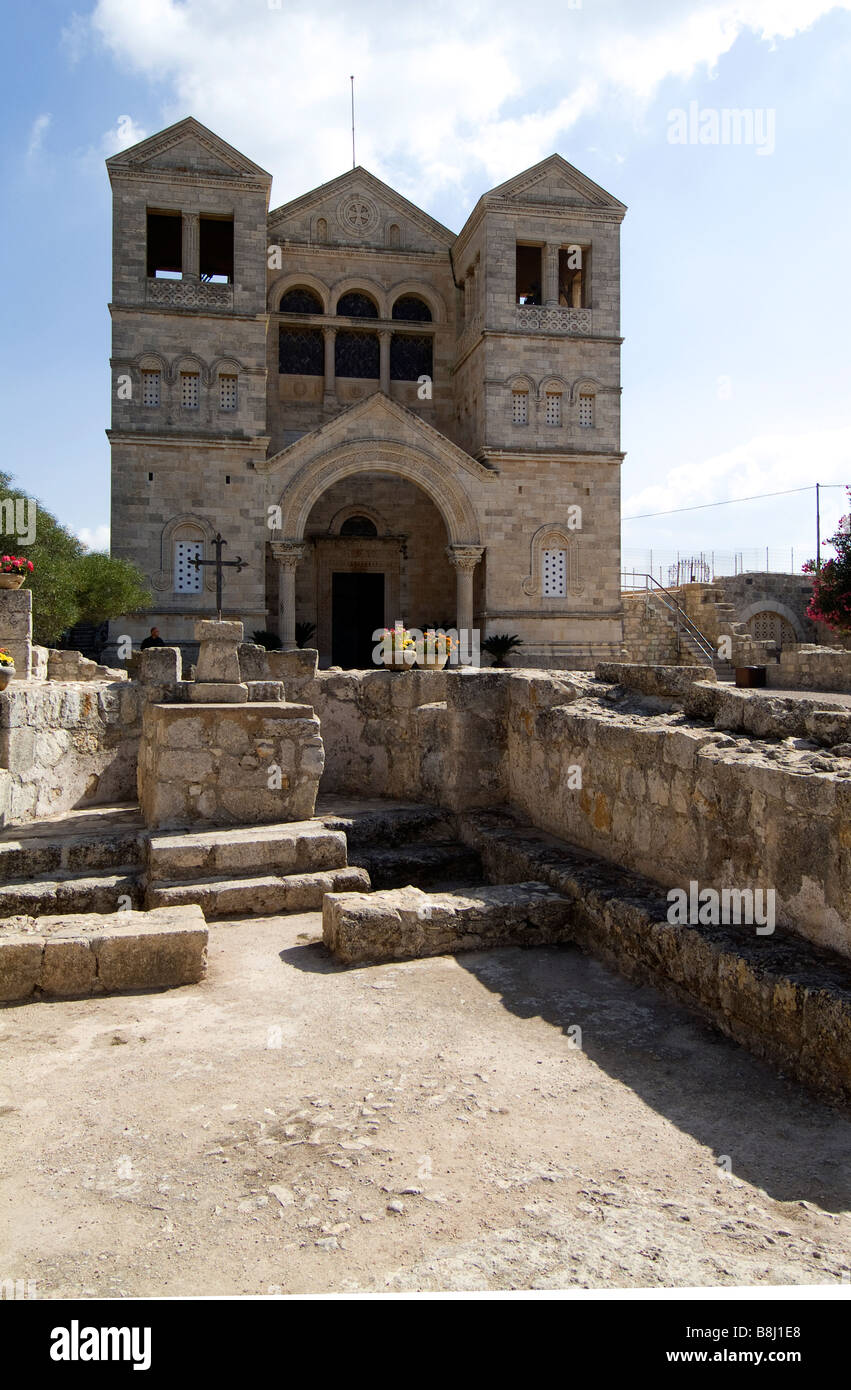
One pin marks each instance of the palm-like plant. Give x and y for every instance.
(303, 633)
(500, 644)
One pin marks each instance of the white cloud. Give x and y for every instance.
(37, 133)
(438, 88)
(94, 537)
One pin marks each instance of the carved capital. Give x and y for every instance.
(465, 557)
(289, 554)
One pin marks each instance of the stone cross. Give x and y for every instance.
(220, 564)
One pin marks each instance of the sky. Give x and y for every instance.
(735, 294)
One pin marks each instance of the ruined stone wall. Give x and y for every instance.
(807, 667)
(66, 745)
(669, 796)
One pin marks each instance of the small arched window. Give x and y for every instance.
(393, 237)
(411, 307)
(300, 300)
(321, 229)
(358, 526)
(356, 305)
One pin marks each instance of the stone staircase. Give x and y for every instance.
(90, 861)
(259, 870)
(401, 845)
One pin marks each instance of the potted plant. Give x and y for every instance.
(14, 569)
(398, 648)
(437, 647)
(7, 668)
(500, 644)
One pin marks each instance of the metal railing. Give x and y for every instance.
(683, 622)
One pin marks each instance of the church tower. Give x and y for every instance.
(537, 397)
(188, 371)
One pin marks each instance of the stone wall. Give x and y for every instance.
(808, 667)
(648, 637)
(67, 744)
(668, 795)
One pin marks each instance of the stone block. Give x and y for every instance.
(253, 663)
(69, 967)
(220, 764)
(160, 666)
(298, 664)
(212, 692)
(20, 964)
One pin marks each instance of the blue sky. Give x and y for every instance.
(735, 290)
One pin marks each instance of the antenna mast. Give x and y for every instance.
(352, 80)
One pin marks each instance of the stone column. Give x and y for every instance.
(330, 336)
(464, 558)
(384, 369)
(550, 286)
(191, 247)
(288, 554)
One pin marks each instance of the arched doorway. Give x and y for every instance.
(770, 626)
(375, 554)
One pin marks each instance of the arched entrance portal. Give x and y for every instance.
(371, 535)
(375, 553)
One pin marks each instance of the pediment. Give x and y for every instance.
(187, 148)
(381, 420)
(554, 181)
(358, 208)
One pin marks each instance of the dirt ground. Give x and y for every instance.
(293, 1126)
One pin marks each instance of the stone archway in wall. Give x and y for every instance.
(457, 544)
(768, 621)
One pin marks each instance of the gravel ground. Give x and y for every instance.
(293, 1126)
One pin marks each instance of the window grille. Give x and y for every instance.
(189, 389)
(553, 408)
(520, 407)
(586, 411)
(187, 577)
(554, 570)
(150, 388)
(227, 391)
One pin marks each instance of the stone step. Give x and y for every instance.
(268, 895)
(95, 953)
(66, 893)
(290, 847)
(382, 825)
(406, 923)
(24, 855)
(419, 863)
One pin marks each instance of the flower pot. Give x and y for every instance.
(433, 661)
(11, 581)
(7, 674)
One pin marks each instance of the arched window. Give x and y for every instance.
(411, 307)
(357, 354)
(393, 237)
(321, 229)
(301, 352)
(411, 356)
(356, 305)
(358, 526)
(300, 300)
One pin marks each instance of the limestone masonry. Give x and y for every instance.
(385, 420)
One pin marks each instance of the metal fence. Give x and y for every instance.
(673, 567)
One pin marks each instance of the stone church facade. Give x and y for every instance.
(385, 420)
